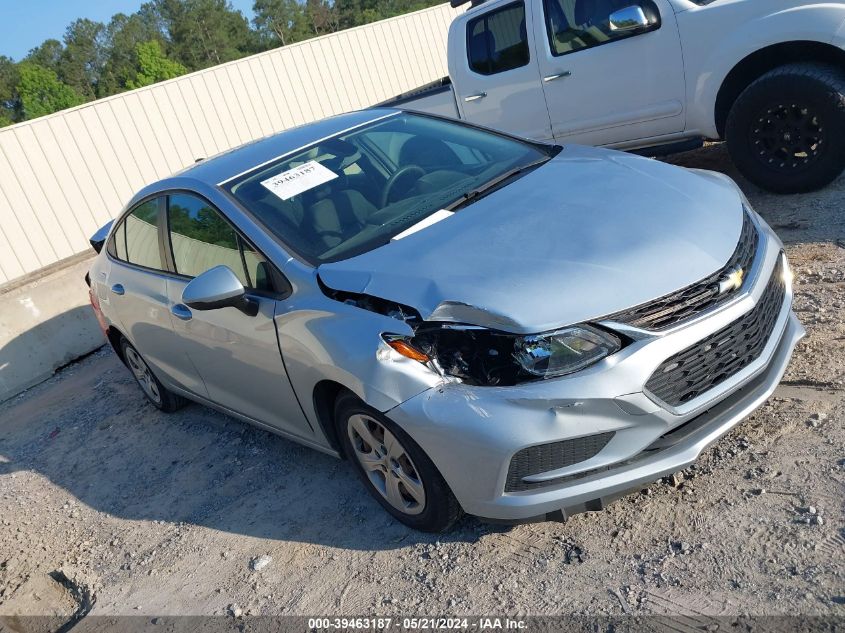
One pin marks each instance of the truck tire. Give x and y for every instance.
(785, 130)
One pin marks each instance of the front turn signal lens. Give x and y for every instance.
(408, 351)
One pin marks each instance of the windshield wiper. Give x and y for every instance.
(478, 192)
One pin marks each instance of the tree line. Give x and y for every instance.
(165, 39)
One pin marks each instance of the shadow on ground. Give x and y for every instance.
(90, 431)
(37, 351)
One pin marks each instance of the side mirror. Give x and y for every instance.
(629, 19)
(217, 288)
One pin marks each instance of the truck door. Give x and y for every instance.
(496, 79)
(610, 82)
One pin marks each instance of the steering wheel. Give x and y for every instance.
(398, 175)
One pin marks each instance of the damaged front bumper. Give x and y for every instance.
(551, 448)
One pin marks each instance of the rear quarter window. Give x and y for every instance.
(136, 238)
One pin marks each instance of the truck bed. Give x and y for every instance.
(435, 97)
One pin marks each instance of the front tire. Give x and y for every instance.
(158, 395)
(784, 131)
(395, 470)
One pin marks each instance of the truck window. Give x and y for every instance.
(497, 41)
(573, 25)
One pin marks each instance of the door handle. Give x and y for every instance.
(118, 289)
(181, 311)
(565, 73)
(475, 97)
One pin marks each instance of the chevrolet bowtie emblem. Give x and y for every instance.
(732, 281)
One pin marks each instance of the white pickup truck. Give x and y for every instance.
(657, 76)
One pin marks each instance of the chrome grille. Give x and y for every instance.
(688, 302)
(723, 354)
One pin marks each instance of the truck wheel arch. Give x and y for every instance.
(762, 61)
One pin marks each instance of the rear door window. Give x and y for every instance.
(498, 40)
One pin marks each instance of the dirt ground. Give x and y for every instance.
(108, 505)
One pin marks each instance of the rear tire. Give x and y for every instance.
(785, 131)
(395, 470)
(158, 395)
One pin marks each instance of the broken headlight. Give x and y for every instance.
(487, 357)
(564, 351)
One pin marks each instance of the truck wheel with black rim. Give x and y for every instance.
(395, 470)
(158, 395)
(785, 130)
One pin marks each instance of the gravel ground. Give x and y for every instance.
(107, 503)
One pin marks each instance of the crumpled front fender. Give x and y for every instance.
(343, 343)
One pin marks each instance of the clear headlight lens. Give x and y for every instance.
(564, 351)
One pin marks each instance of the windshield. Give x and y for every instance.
(356, 191)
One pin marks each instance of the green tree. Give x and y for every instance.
(280, 21)
(153, 66)
(164, 39)
(48, 54)
(81, 60)
(205, 33)
(42, 93)
(356, 12)
(120, 41)
(10, 103)
(322, 16)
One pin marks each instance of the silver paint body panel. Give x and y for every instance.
(588, 234)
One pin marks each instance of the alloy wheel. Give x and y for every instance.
(143, 375)
(388, 466)
(788, 137)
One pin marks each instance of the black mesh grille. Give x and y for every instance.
(694, 299)
(716, 358)
(546, 457)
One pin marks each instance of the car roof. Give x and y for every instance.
(225, 166)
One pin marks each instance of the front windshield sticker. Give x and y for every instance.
(301, 178)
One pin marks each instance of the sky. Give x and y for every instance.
(27, 23)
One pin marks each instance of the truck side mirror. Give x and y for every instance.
(628, 20)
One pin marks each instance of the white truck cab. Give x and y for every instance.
(657, 76)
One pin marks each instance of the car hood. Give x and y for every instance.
(587, 234)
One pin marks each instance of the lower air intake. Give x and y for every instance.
(545, 457)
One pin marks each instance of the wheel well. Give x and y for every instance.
(114, 336)
(326, 393)
(764, 60)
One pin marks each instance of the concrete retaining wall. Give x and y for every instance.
(45, 322)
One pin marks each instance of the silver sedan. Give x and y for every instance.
(477, 322)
